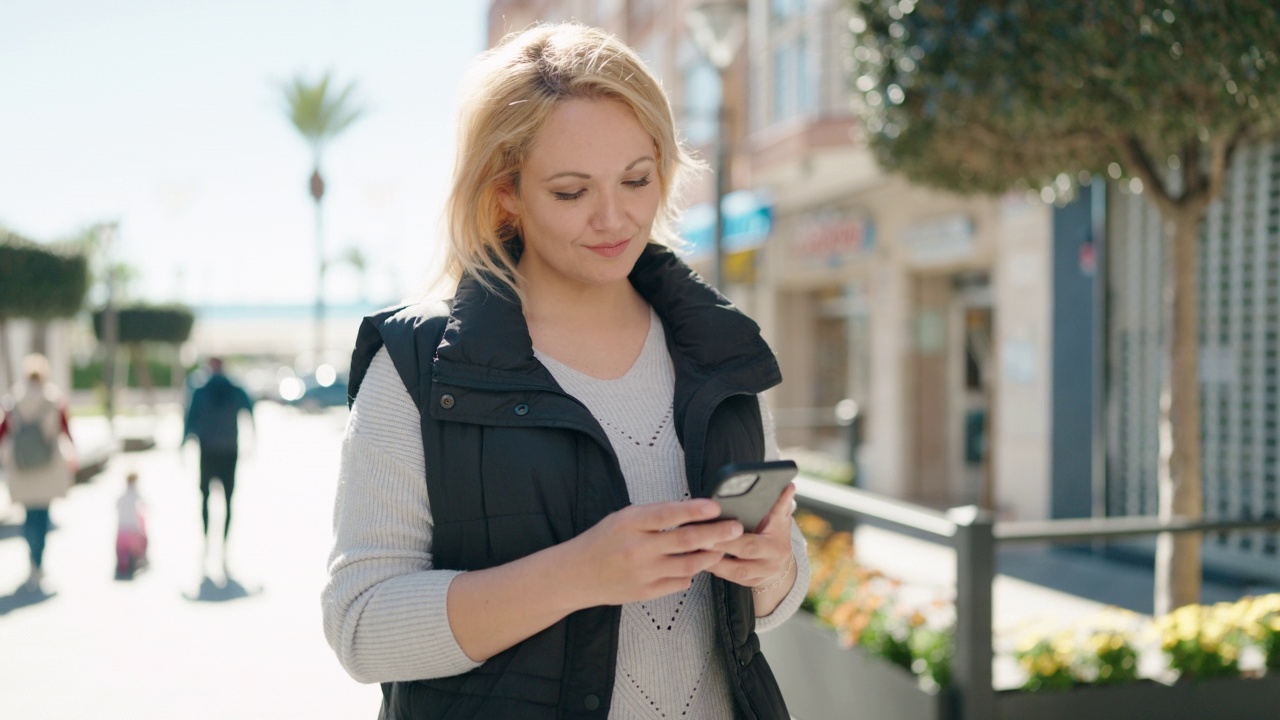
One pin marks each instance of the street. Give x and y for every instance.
(180, 641)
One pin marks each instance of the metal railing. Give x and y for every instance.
(973, 533)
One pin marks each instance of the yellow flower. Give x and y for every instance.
(1027, 644)
(1045, 665)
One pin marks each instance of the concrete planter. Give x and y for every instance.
(1222, 699)
(823, 681)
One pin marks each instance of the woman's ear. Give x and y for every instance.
(508, 201)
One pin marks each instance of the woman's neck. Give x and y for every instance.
(598, 331)
(583, 306)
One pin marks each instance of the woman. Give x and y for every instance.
(38, 470)
(569, 413)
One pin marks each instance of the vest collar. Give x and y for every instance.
(487, 339)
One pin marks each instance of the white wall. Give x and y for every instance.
(1023, 345)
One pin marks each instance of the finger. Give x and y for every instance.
(689, 564)
(699, 536)
(742, 572)
(661, 516)
(781, 511)
(749, 547)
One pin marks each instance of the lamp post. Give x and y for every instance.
(719, 27)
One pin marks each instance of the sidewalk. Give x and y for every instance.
(184, 639)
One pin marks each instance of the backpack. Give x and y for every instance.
(31, 447)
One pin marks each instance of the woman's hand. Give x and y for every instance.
(637, 553)
(647, 551)
(761, 557)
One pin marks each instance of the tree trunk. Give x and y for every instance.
(317, 194)
(40, 337)
(6, 363)
(1179, 468)
(137, 353)
(320, 268)
(176, 374)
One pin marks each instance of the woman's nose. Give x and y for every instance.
(609, 215)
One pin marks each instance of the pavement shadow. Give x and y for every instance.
(1111, 578)
(22, 597)
(230, 589)
(10, 530)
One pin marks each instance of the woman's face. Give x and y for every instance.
(588, 195)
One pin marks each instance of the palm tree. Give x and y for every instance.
(320, 113)
(355, 257)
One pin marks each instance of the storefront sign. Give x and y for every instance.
(748, 219)
(939, 242)
(833, 240)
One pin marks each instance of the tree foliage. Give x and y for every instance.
(981, 96)
(149, 323)
(317, 111)
(40, 282)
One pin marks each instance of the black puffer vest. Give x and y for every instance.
(515, 465)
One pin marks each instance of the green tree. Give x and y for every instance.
(984, 96)
(139, 324)
(37, 282)
(319, 113)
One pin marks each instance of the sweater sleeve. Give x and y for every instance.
(385, 607)
(795, 597)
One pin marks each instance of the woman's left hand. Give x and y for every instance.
(753, 559)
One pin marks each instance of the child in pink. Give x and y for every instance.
(131, 538)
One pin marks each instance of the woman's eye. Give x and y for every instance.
(568, 196)
(637, 183)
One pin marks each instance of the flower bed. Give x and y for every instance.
(1229, 652)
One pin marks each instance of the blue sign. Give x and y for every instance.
(748, 218)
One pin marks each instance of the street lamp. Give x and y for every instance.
(719, 27)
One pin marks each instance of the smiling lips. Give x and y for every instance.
(610, 250)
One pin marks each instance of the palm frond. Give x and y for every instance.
(318, 113)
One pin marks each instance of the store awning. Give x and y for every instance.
(748, 218)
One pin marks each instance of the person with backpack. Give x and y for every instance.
(213, 417)
(38, 466)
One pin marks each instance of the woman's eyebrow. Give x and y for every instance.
(584, 176)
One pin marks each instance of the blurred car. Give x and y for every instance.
(324, 388)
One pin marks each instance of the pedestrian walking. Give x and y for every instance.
(39, 465)
(521, 529)
(131, 530)
(213, 418)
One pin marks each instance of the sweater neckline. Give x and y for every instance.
(654, 342)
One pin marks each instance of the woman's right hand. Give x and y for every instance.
(637, 553)
(647, 551)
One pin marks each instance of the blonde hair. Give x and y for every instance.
(35, 367)
(513, 89)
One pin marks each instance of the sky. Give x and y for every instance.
(166, 116)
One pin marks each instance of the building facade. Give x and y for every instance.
(1239, 286)
(927, 312)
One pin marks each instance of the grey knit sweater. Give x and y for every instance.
(385, 606)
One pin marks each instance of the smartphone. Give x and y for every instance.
(747, 491)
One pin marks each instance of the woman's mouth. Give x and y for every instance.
(610, 250)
